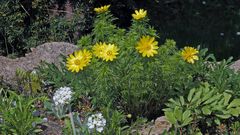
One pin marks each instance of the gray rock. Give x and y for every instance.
(48, 52)
(236, 65)
(157, 128)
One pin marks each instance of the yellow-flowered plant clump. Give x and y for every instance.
(78, 60)
(102, 9)
(147, 46)
(110, 52)
(189, 54)
(139, 14)
(130, 69)
(107, 52)
(99, 48)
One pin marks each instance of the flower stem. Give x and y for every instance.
(72, 122)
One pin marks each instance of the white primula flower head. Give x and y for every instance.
(62, 96)
(96, 121)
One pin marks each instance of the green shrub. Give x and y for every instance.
(16, 113)
(203, 105)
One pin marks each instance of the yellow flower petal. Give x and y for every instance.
(110, 53)
(189, 54)
(147, 46)
(139, 14)
(98, 49)
(102, 9)
(79, 60)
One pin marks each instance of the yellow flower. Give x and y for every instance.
(102, 9)
(98, 49)
(189, 54)
(110, 52)
(139, 14)
(78, 60)
(147, 46)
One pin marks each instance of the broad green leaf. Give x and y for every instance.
(174, 102)
(234, 112)
(206, 110)
(214, 98)
(226, 98)
(186, 114)
(182, 100)
(197, 96)
(190, 95)
(37, 130)
(207, 96)
(187, 121)
(178, 113)
(221, 102)
(170, 117)
(218, 107)
(226, 116)
(234, 103)
(214, 103)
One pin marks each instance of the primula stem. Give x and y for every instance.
(72, 122)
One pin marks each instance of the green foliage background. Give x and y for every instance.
(25, 24)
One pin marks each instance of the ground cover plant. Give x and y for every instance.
(119, 76)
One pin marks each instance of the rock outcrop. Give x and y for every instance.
(48, 52)
(236, 65)
(160, 125)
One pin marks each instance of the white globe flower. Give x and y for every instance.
(96, 121)
(62, 96)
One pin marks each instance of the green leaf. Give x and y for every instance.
(226, 116)
(234, 112)
(214, 98)
(207, 96)
(190, 95)
(182, 100)
(226, 98)
(186, 115)
(197, 96)
(178, 113)
(170, 117)
(174, 102)
(37, 130)
(187, 121)
(234, 103)
(206, 110)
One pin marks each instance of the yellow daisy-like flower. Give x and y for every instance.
(189, 54)
(139, 14)
(110, 52)
(98, 49)
(78, 60)
(147, 46)
(102, 9)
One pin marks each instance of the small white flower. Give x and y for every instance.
(238, 33)
(99, 129)
(203, 2)
(221, 34)
(34, 72)
(45, 120)
(96, 121)
(62, 96)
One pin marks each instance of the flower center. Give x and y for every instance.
(148, 48)
(109, 53)
(77, 62)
